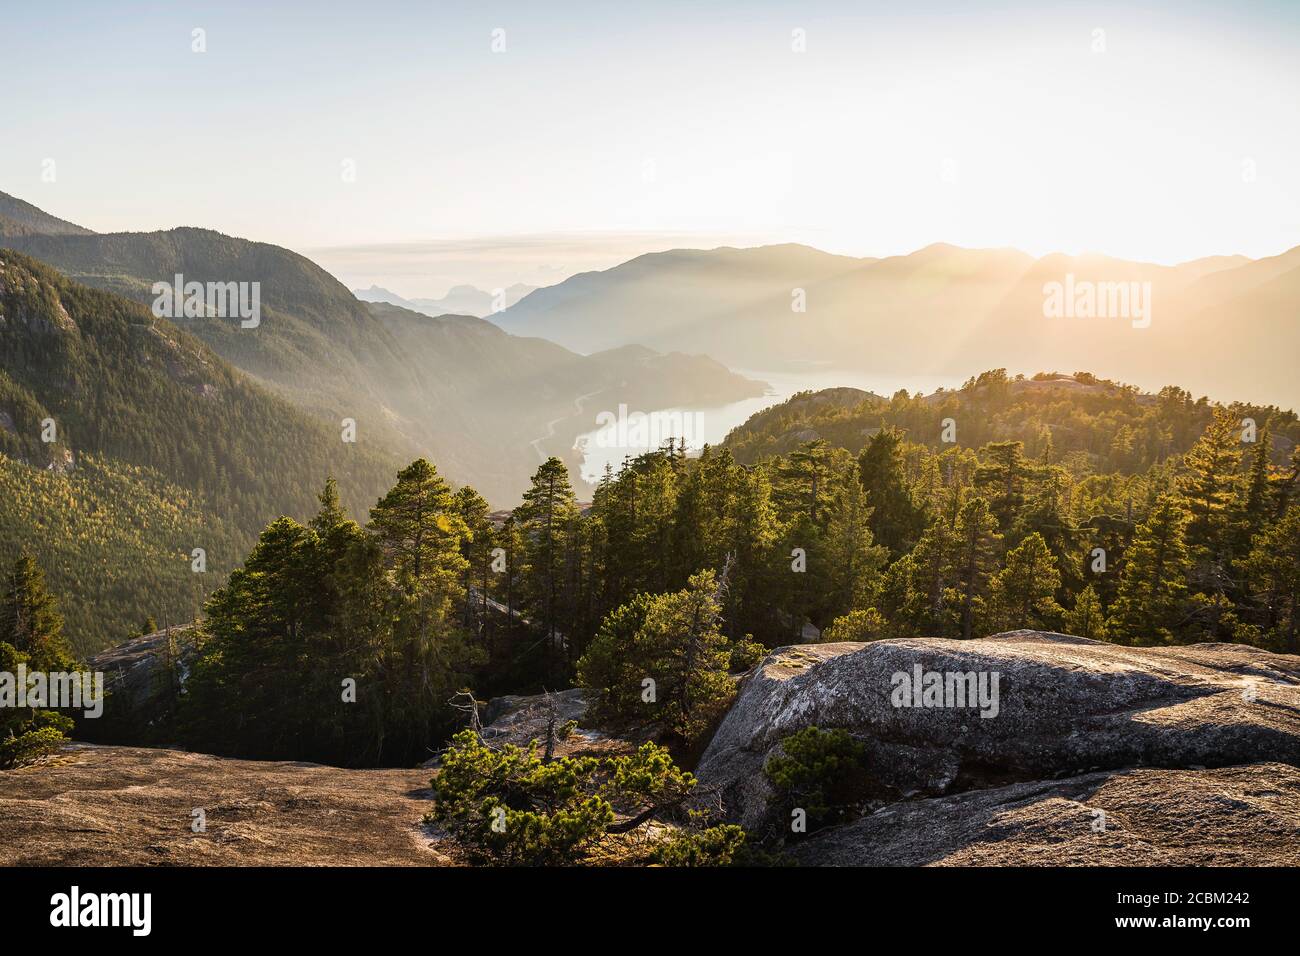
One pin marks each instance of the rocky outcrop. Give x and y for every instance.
(135, 668)
(130, 806)
(1063, 706)
(523, 720)
(1233, 816)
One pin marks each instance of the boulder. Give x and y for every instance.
(1232, 816)
(1063, 706)
(137, 667)
(523, 720)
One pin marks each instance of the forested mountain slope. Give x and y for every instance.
(502, 403)
(454, 388)
(1094, 423)
(155, 441)
(19, 218)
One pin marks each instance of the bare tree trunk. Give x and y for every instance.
(550, 728)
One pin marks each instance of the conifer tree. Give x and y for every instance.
(476, 548)
(915, 592)
(30, 621)
(751, 545)
(31, 633)
(1001, 478)
(665, 658)
(896, 521)
(1256, 507)
(549, 505)
(418, 529)
(1209, 485)
(1023, 593)
(975, 554)
(1153, 582)
(848, 560)
(1274, 571)
(1086, 618)
(802, 486)
(417, 525)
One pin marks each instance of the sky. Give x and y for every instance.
(429, 143)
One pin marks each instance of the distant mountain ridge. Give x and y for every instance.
(939, 311)
(338, 358)
(459, 300)
(19, 218)
(151, 445)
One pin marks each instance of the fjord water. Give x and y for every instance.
(602, 446)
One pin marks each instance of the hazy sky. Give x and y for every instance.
(981, 124)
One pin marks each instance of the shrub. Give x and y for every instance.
(746, 653)
(43, 734)
(509, 807)
(821, 771)
(714, 846)
(868, 625)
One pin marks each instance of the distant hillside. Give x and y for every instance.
(1088, 422)
(18, 218)
(940, 311)
(526, 398)
(459, 300)
(160, 447)
(685, 299)
(414, 384)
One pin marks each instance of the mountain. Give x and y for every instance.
(410, 383)
(459, 300)
(940, 311)
(158, 447)
(18, 218)
(679, 299)
(528, 398)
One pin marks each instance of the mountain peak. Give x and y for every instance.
(20, 218)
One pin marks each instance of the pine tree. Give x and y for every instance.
(1209, 485)
(1256, 507)
(548, 507)
(31, 633)
(915, 592)
(418, 529)
(476, 548)
(1046, 513)
(802, 487)
(896, 521)
(1023, 593)
(848, 559)
(1001, 477)
(1086, 618)
(331, 514)
(664, 658)
(752, 539)
(975, 542)
(30, 621)
(1274, 571)
(1153, 582)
